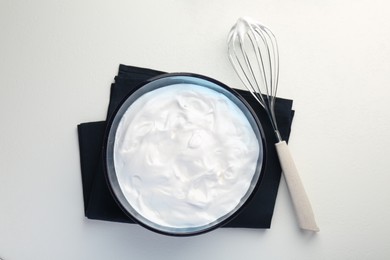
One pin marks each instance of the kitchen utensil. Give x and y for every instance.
(253, 52)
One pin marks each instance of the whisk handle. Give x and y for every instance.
(298, 194)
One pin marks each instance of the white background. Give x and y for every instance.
(58, 58)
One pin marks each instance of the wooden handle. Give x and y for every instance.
(298, 194)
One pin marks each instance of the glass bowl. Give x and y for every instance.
(118, 181)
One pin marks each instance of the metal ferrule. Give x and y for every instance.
(278, 136)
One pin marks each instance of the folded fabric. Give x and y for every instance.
(98, 201)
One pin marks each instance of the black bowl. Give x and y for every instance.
(160, 82)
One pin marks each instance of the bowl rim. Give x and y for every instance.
(111, 178)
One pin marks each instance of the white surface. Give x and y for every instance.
(58, 58)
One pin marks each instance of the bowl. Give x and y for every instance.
(183, 154)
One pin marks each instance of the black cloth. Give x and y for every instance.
(98, 201)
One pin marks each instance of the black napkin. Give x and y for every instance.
(98, 201)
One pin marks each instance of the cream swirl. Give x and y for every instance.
(184, 155)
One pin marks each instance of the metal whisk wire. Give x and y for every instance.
(244, 51)
(253, 52)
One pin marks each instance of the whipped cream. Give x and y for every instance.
(184, 155)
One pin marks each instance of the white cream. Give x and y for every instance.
(184, 155)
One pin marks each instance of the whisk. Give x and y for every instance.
(253, 52)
